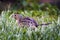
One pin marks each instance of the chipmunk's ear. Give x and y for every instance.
(20, 16)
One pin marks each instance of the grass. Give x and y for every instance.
(9, 30)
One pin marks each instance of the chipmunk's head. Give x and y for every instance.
(17, 16)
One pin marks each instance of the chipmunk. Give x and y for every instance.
(26, 21)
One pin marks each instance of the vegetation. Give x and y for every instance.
(9, 30)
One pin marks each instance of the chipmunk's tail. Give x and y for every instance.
(44, 24)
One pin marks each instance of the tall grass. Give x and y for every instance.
(9, 30)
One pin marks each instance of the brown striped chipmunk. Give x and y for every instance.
(26, 21)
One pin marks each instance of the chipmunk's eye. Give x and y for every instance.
(15, 15)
